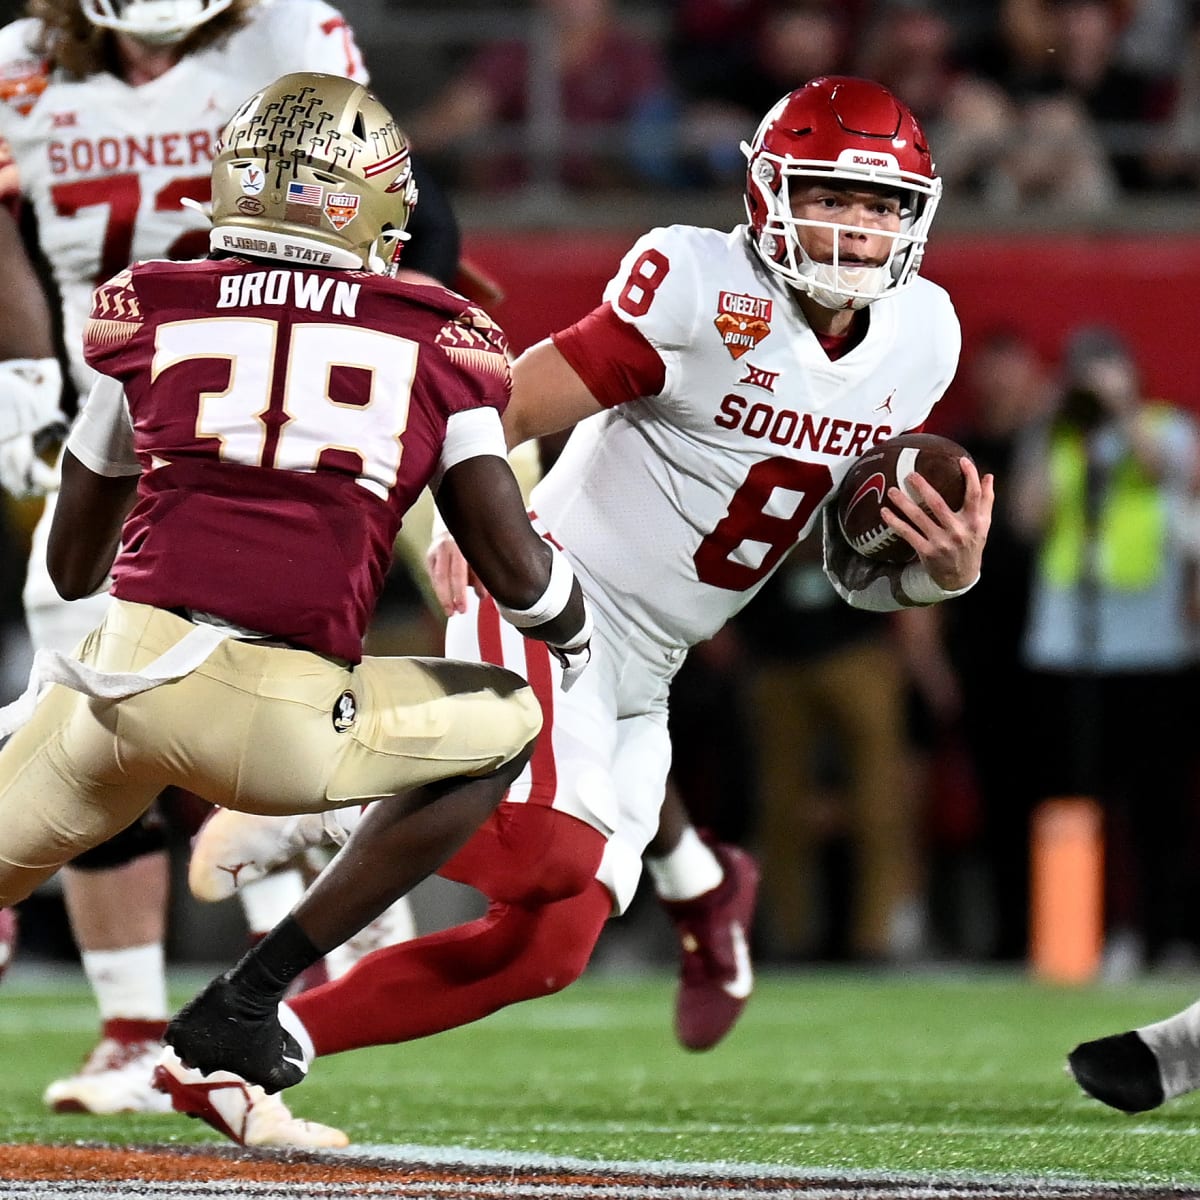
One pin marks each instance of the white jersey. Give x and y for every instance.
(105, 165)
(678, 506)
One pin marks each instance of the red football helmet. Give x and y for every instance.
(856, 132)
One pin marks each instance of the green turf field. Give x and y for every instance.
(932, 1073)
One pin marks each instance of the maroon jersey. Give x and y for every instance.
(285, 420)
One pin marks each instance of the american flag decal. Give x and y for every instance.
(304, 193)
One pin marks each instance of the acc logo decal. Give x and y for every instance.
(742, 321)
(251, 206)
(254, 179)
(341, 208)
(345, 711)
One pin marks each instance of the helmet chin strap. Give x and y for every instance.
(383, 258)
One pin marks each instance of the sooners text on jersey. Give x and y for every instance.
(727, 427)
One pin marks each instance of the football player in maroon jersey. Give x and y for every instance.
(262, 420)
(108, 114)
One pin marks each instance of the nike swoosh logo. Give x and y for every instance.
(873, 484)
(740, 986)
(297, 1062)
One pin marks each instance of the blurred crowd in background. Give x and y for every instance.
(883, 767)
(1064, 103)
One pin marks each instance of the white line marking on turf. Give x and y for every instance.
(836, 1128)
(513, 1160)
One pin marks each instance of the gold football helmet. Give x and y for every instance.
(313, 169)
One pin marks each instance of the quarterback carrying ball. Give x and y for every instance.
(718, 394)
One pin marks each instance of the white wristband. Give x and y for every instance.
(917, 584)
(551, 602)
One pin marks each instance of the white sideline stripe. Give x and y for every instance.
(652, 1180)
(413, 1154)
(842, 1128)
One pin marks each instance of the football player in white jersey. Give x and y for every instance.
(108, 114)
(718, 396)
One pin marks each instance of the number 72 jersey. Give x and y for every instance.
(727, 426)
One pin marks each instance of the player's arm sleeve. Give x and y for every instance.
(469, 433)
(612, 357)
(630, 346)
(102, 438)
(874, 586)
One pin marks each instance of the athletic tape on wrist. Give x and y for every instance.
(581, 639)
(918, 585)
(551, 602)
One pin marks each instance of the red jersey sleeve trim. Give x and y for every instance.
(612, 357)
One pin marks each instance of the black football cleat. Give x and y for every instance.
(1120, 1071)
(221, 1030)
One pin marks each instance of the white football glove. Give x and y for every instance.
(23, 473)
(30, 391)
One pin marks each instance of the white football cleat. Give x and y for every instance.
(116, 1078)
(241, 1111)
(233, 849)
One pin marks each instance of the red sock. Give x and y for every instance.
(130, 1029)
(450, 978)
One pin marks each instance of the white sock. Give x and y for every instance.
(129, 983)
(688, 871)
(266, 901)
(1176, 1045)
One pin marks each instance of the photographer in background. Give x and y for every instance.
(1103, 487)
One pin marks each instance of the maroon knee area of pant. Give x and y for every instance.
(528, 854)
(457, 976)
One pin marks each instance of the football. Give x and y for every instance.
(864, 489)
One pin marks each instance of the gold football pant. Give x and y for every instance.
(264, 729)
